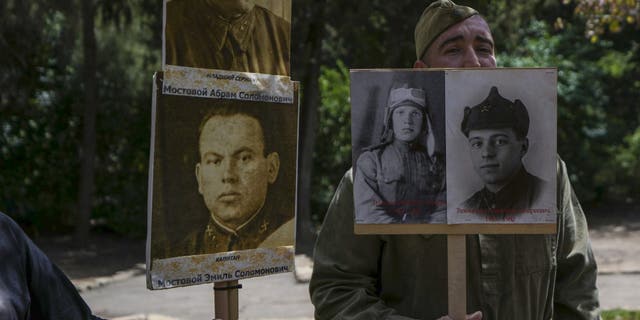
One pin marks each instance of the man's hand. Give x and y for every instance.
(475, 316)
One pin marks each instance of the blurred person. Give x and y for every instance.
(31, 286)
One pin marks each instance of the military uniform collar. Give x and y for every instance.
(508, 193)
(215, 223)
(240, 29)
(407, 146)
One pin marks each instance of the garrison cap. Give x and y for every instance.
(496, 112)
(435, 19)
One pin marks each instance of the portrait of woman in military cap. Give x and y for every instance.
(397, 177)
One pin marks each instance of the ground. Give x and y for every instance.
(103, 257)
(109, 271)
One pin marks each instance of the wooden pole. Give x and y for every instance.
(225, 300)
(457, 275)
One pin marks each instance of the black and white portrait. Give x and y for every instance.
(398, 149)
(501, 146)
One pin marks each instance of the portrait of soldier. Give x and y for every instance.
(397, 180)
(496, 131)
(236, 35)
(235, 173)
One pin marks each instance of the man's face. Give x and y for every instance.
(407, 123)
(233, 174)
(467, 44)
(496, 155)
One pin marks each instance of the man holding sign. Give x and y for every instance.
(405, 276)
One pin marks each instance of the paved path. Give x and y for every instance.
(125, 297)
(619, 291)
(274, 297)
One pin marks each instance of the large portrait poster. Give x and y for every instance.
(237, 35)
(501, 145)
(222, 181)
(438, 148)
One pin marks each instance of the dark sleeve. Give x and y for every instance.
(346, 266)
(51, 293)
(576, 295)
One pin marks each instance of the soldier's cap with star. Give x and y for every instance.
(435, 19)
(496, 112)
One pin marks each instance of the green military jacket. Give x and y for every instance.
(405, 276)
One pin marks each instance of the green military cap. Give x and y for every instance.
(435, 19)
(496, 112)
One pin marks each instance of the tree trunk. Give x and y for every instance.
(88, 148)
(311, 56)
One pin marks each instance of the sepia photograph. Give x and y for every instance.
(501, 146)
(237, 35)
(224, 174)
(398, 146)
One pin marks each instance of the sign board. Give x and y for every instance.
(454, 151)
(222, 181)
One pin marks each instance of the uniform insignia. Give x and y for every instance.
(210, 233)
(263, 226)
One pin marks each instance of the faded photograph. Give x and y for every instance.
(227, 174)
(236, 35)
(397, 179)
(497, 139)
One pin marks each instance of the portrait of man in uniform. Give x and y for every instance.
(496, 130)
(234, 173)
(397, 180)
(224, 176)
(236, 35)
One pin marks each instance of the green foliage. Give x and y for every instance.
(371, 34)
(41, 112)
(607, 15)
(620, 314)
(592, 119)
(332, 155)
(36, 122)
(126, 66)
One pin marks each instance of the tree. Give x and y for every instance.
(42, 111)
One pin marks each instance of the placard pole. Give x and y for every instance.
(225, 300)
(457, 275)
